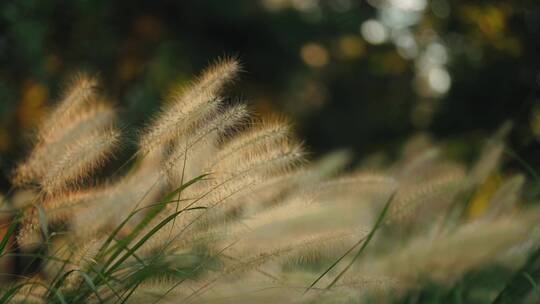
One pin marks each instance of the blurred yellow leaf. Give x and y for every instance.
(480, 200)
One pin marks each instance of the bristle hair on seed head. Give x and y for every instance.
(228, 119)
(225, 67)
(94, 116)
(90, 119)
(78, 110)
(264, 159)
(79, 160)
(81, 89)
(194, 104)
(264, 132)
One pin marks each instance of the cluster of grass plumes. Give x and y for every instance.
(220, 207)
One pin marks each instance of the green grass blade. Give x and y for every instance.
(533, 284)
(59, 273)
(106, 281)
(131, 291)
(519, 285)
(147, 236)
(91, 285)
(43, 223)
(366, 242)
(334, 264)
(149, 216)
(8, 295)
(5, 240)
(524, 163)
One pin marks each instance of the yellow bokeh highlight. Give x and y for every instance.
(31, 107)
(351, 47)
(491, 22)
(535, 123)
(314, 55)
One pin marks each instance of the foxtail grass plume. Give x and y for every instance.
(218, 207)
(189, 107)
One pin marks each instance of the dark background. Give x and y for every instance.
(315, 61)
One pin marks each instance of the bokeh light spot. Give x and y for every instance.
(374, 31)
(314, 55)
(439, 80)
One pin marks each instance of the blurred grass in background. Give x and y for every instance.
(359, 74)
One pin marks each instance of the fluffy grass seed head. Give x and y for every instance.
(94, 117)
(79, 160)
(190, 106)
